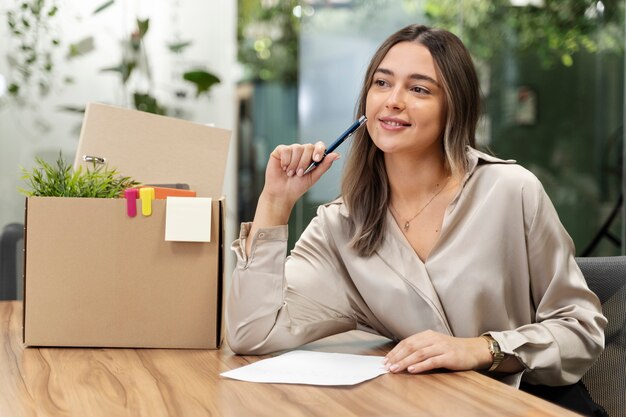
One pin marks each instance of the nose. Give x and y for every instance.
(395, 99)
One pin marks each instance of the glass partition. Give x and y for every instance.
(552, 75)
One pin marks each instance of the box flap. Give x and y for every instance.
(155, 149)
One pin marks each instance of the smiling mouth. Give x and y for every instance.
(395, 124)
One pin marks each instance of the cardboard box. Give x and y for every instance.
(95, 277)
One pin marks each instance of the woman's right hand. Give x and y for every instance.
(285, 182)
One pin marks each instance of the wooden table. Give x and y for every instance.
(186, 383)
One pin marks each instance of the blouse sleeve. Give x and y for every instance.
(568, 333)
(278, 302)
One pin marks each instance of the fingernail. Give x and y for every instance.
(290, 173)
(316, 157)
(410, 369)
(385, 361)
(393, 368)
(300, 172)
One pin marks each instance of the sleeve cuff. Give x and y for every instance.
(274, 233)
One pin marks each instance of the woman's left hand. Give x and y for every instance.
(430, 350)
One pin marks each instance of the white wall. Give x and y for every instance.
(42, 130)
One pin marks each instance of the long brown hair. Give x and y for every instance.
(365, 186)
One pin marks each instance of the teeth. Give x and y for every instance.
(393, 123)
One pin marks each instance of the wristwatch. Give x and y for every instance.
(496, 353)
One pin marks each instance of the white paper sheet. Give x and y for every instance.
(313, 368)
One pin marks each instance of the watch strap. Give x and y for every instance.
(496, 353)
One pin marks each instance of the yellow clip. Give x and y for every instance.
(146, 195)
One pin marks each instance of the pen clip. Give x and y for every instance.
(131, 201)
(146, 194)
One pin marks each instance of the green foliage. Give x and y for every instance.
(80, 48)
(125, 69)
(178, 47)
(202, 80)
(60, 180)
(104, 6)
(147, 103)
(134, 60)
(555, 31)
(142, 27)
(32, 45)
(268, 35)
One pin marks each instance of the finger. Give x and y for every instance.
(287, 159)
(283, 153)
(394, 355)
(318, 151)
(394, 360)
(415, 358)
(404, 348)
(429, 364)
(324, 166)
(305, 159)
(296, 155)
(277, 152)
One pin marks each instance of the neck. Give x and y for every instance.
(412, 180)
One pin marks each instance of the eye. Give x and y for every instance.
(380, 83)
(420, 90)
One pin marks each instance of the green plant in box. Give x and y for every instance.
(60, 180)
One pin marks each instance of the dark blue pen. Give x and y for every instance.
(345, 135)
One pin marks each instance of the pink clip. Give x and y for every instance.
(131, 201)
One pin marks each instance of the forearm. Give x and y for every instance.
(271, 211)
(262, 315)
(257, 289)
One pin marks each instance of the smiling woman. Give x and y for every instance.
(457, 255)
(406, 108)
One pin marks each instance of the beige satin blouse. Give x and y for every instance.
(503, 265)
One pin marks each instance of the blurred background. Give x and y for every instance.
(552, 75)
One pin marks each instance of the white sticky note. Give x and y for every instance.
(188, 219)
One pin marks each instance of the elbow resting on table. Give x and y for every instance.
(243, 342)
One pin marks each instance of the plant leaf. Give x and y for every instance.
(81, 47)
(142, 27)
(104, 6)
(14, 89)
(203, 80)
(125, 69)
(178, 47)
(72, 109)
(147, 103)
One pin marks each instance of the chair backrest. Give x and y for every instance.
(606, 379)
(11, 245)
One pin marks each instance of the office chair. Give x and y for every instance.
(11, 245)
(606, 379)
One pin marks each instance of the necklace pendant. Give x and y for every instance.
(406, 226)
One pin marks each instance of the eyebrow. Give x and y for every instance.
(418, 77)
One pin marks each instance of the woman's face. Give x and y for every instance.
(405, 104)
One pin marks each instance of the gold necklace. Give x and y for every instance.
(407, 223)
